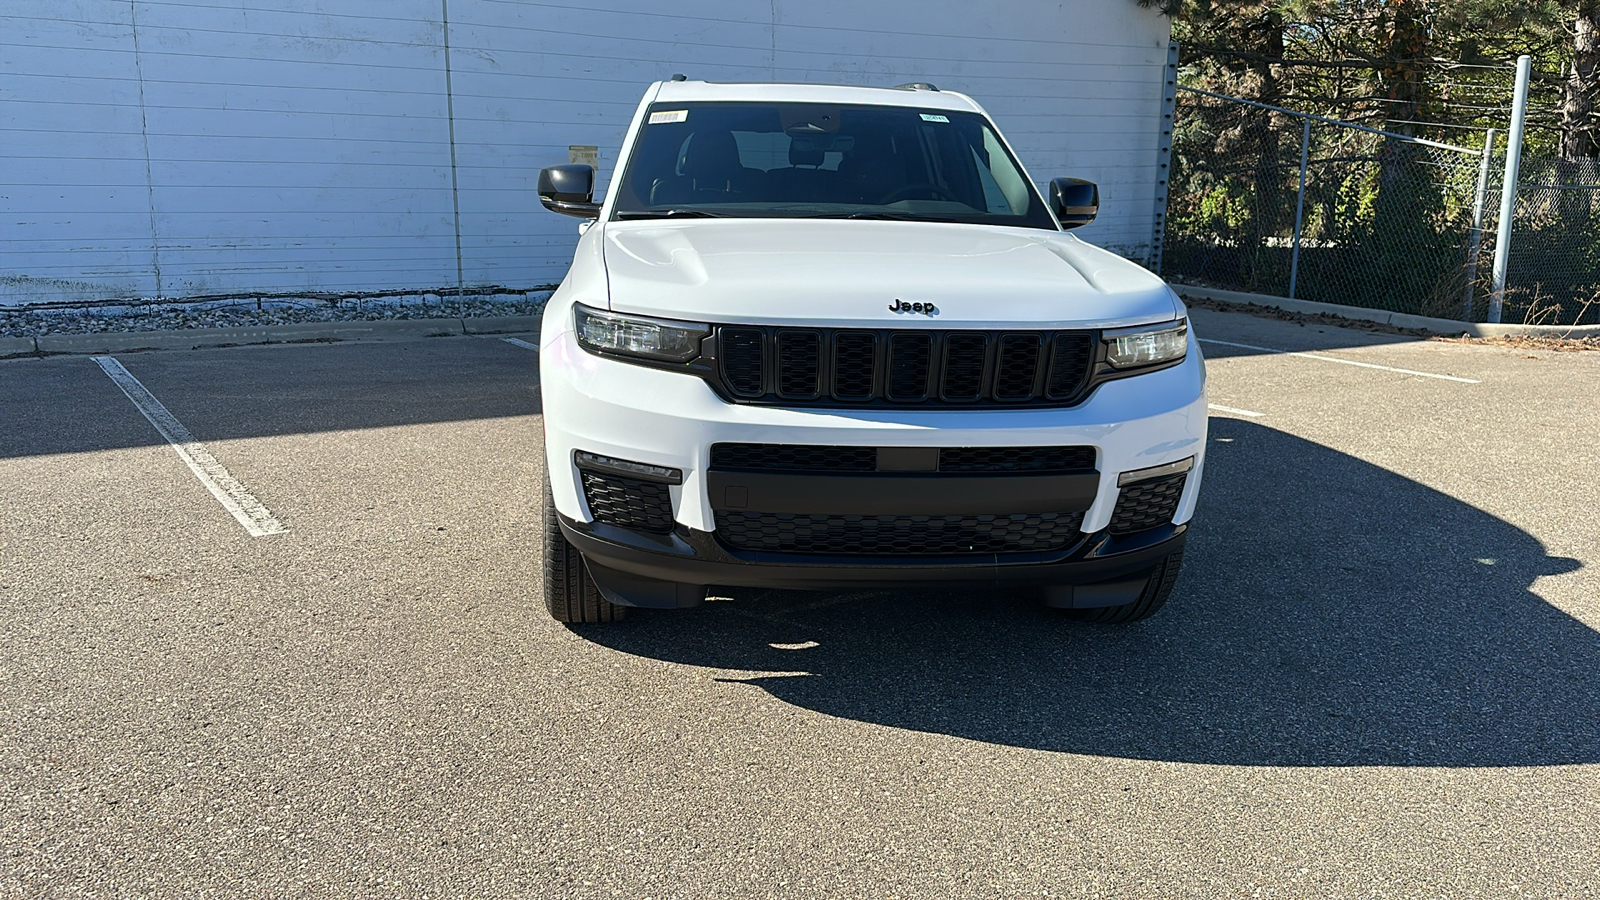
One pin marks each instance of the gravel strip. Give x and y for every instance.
(237, 313)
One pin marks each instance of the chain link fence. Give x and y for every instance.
(1272, 202)
(1554, 272)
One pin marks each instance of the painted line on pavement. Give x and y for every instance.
(1335, 359)
(521, 343)
(1249, 414)
(233, 496)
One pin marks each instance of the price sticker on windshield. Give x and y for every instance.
(929, 117)
(669, 116)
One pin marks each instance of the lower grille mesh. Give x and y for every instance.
(628, 502)
(794, 457)
(897, 535)
(834, 460)
(1033, 460)
(1147, 504)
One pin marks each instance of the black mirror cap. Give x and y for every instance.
(1076, 202)
(569, 190)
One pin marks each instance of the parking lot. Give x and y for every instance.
(1377, 676)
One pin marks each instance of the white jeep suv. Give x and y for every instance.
(822, 336)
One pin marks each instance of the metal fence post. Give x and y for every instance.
(1475, 237)
(1300, 207)
(1169, 105)
(1508, 190)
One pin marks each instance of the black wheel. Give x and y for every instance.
(569, 592)
(1152, 598)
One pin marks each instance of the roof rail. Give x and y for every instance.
(916, 86)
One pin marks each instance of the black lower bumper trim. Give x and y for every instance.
(694, 557)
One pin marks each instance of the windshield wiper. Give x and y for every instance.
(885, 216)
(670, 214)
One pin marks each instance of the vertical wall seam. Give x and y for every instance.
(144, 135)
(772, 56)
(450, 115)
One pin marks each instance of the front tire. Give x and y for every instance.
(569, 593)
(1152, 598)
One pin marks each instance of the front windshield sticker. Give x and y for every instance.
(932, 118)
(674, 115)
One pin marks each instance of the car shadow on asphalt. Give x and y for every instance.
(68, 405)
(1331, 613)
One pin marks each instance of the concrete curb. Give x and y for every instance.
(194, 338)
(16, 347)
(1450, 327)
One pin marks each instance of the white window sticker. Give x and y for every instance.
(926, 117)
(668, 117)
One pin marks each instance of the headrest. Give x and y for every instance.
(713, 153)
(804, 156)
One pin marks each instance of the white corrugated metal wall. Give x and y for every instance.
(173, 148)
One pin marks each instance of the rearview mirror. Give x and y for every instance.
(569, 190)
(1075, 201)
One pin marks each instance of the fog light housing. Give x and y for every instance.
(1172, 468)
(627, 468)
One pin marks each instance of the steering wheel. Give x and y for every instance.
(904, 192)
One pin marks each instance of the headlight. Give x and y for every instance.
(638, 336)
(1135, 348)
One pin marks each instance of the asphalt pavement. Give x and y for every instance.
(1379, 675)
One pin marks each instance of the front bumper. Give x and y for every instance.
(659, 418)
(650, 570)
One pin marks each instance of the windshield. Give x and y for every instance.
(790, 160)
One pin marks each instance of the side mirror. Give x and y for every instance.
(569, 190)
(1075, 201)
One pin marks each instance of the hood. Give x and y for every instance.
(849, 272)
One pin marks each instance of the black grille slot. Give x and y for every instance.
(910, 358)
(743, 354)
(1033, 460)
(963, 366)
(799, 364)
(854, 358)
(628, 502)
(794, 458)
(922, 367)
(1017, 367)
(1147, 504)
(897, 535)
(1069, 364)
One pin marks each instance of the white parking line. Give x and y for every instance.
(1335, 359)
(521, 343)
(1249, 414)
(255, 518)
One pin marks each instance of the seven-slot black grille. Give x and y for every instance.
(628, 502)
(845, 460)
(848, 367)
(898, 535)
(1147, 504)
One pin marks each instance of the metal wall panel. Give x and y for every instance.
(158, 148)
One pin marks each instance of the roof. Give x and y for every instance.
(690, 91)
